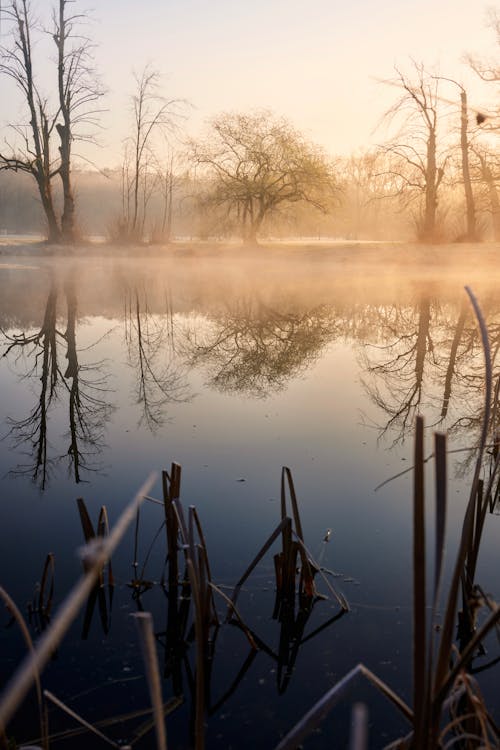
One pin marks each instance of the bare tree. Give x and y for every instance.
(153, 114)
(33, 154)
(256, 164)
(418, 165)
(78, 90)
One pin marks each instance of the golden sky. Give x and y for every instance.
(312, 61)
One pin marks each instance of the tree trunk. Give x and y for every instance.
(428, 233)
(471, 233)
(64, 131)
(53, 230)
(40, 168)
(68, 214)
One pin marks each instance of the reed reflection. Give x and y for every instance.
(81, 387)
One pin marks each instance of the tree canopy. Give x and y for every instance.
(258, 163)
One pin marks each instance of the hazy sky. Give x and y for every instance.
(312, 61)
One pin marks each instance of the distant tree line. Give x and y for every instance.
(437, 177)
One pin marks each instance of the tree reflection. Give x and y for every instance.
(87, 410)
(32, 430)
(83, 384)
(395, 367)
(428, 357)
(424, 354)
(255, 349)
(150, 344)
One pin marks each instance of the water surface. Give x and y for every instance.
(112, 368)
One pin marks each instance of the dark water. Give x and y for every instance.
(113, 368)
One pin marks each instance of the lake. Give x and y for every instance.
(114, 367)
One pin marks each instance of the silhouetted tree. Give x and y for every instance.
(77, 91)
(152, 114)
(259, 163)
(33, 153)
(417, 164)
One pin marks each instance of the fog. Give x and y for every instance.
(355, 216)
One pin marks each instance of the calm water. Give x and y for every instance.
(113, 368)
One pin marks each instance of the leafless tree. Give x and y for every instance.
(33, 153)
(78, 91)
(418, 162)
(152, 115)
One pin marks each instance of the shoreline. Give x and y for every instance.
(385, 256)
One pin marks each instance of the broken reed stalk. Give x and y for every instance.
(258, 557)
(231, 606)
(315, 716)
(103, 531)
(168, 708)
(286, 474)
(359, 727)
(205, 563)
(201, 631)
(144, 622)
(16, 614)
(337, 595)
(79, 719)
(45, 606)
(87, 525)
(286, 562)
(98, 593)
(171, 486)
(95, 555)
(90, 533)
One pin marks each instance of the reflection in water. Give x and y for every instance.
(416, 348)
(81, 387)
(417, 351)
(252, 348)
(151, 349)
(426, 358)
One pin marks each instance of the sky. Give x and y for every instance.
(313, 61)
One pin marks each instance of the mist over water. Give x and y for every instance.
(113, 367)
